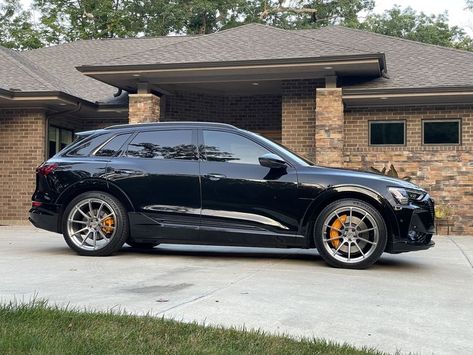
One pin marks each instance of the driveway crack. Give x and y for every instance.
(468, 260)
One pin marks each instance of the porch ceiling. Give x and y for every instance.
(220, 75)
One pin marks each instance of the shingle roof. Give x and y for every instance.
(17, 73)
(244, 43)
(61, 61)
(410, 64)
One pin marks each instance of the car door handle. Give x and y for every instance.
(215, 177)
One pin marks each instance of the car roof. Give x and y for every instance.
(180, 124)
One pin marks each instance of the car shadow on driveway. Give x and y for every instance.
(386, 262)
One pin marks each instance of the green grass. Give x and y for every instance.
(37, 328)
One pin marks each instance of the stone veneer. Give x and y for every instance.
(143, 108)
(446, 171)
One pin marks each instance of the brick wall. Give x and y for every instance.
(329, 127)
(259, 112)
(143, 108)
(298, 115)
(22, 137)
(445, 171)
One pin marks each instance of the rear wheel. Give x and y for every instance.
(350, 233)
(95, 224)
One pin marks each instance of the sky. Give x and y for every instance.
(456, 9)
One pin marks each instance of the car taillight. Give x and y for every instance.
(46, 169)
(36, 204)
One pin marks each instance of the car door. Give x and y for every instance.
(159, 172)
(244, 203)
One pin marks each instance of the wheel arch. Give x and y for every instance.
(91, 185)
(362, 193)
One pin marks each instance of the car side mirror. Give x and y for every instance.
(272, 161)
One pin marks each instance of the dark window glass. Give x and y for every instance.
(86, 147)
(232, 148)
(443, 132)
(58, 139)
(113, 147)
(387, 133)
(163, 145)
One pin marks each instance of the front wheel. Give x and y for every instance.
(95, 224)
(350, 233)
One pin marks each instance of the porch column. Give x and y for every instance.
(329, 126)
(143, 106)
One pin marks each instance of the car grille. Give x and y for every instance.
(431, 206)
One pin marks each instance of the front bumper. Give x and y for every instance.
(416, 226)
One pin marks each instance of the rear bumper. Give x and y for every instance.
(45, 217)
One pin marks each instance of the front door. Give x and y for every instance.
(244, 203)
(159, 171)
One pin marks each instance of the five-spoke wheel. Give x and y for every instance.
(95, 223)
(350, 233)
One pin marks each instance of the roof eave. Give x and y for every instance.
(91, 69)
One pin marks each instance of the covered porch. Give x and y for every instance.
(297, 102)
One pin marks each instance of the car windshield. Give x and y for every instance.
(280, 148)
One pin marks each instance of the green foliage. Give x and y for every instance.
(16, 29)
(39, 329)
(69, 20)
(409, 24)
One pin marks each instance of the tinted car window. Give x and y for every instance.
(231, 148)
(175, 144)
(113, 147)
(87, 146)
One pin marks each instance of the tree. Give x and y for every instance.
(16, 28)
(306, 13)
(409, 24)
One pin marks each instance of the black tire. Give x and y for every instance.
(121, 226)
(374, 243)
(139, 245)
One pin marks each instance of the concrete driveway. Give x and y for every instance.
(418, 302)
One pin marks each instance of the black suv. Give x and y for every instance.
(211, 183)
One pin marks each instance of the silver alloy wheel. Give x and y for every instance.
(91, 224)
(350, 234)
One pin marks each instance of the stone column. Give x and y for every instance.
(329, 127)
(143, 107)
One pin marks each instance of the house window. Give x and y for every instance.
(441, 132)
(387, 132)
(58, 139)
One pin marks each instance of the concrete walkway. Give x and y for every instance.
(418, 302)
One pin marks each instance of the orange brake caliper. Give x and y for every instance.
(108, 224)
(334, 234)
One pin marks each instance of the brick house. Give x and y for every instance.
(339, 96)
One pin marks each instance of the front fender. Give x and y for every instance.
(337, 192)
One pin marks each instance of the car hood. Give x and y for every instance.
(335, 176)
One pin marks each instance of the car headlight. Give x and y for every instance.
(404, 196)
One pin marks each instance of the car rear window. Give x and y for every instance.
(114, 146)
